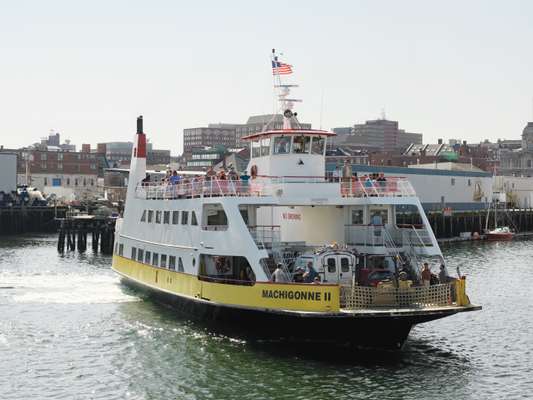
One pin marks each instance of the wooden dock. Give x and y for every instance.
(21, 219)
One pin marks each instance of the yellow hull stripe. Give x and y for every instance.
(294, 297)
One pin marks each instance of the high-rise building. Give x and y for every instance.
(212, 135)
(379, 134)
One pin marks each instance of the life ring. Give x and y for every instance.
(253, 171)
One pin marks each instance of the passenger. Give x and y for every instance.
(426, 275)
(310, 273)
(316, 281)
(175, 178)
(210, 174)
(336, 174)
(279, 275)
(232, 175)
(346, 178)
(443, 274)
(244, 182)
(298, 275)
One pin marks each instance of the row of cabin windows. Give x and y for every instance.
(156, 259)
(165, 217)
(284, 145)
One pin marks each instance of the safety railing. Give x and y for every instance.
(387, 236)
(365, 297)
(267, 186)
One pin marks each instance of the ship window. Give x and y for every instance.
(147, 257)
(214, 217)
(150, 216)
(143, 217)
(318, 145)
(172, 262)
(133, 253)
(140, 255)
(155, 260)
(232, 270)
(300, 144)
(282, 145)
(158, 217)
(256, 149)
(120, 249)
(163, 260)
(175, 217)
(184, 217)
(265, 147)
(332, 265)
(194, 221)
(166, 217)
(180, 265)
(379, 216)
(357, 217)
(345, 264)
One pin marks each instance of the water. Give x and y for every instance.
(69, 330)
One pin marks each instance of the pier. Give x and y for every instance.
(74, 230)
(21, 219)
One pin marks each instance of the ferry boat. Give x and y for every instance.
(289, 253)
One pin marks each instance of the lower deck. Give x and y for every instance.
(300, 298)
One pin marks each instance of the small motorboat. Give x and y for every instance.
(501, 233)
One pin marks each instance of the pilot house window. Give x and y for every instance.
(301, 144)
(318, 145)
(282, 145)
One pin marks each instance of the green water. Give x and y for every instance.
(69, 330)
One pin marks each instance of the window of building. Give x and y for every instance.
(68, 181)
(84, 182)
(163, 261)
(44, 156)
(180, 265)
(175, 217)
(301, 144)
(155, 260)
(318, 145)
(166, 217)
(147, 257)
(282, 145)
(60, 166)
(75, 181)
(133, 253)
(150, 216)
(93, 166)
(140, 255)
(194, 221)
(172, 262)
(92, 182)
(184, 217)
(265, 147)
(45, 181)
(158, 217)
(120, 249)
(59, 156)
(43, 165)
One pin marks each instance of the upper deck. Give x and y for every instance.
(277, 186)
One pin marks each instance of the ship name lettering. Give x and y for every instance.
(291, 295)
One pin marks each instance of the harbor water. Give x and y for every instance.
(70, 330)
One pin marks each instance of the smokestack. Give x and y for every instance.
(140, 124)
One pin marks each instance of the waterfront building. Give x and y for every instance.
(8, 172)
(515, 191)
(119, 153)
(459, 189)
(212, 135)
(519, 162)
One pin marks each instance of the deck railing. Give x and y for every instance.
(365, 297)
(270, 185)
(375, 235)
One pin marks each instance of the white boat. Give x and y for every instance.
(346, 271)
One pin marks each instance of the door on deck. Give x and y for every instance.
(338, 268)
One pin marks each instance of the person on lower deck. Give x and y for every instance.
(443, 274)
(426, 275)
(310, 273)
(279, 275)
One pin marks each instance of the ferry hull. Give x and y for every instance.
(382, 330)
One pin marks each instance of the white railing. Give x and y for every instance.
(364, 297)
(387, 236)
(267, 186)
(265, 236)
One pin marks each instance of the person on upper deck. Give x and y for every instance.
(232, 175)
(210, 174)
(426, 275)
(443, 274)
(175, 178)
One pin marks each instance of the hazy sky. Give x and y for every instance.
(460, 69)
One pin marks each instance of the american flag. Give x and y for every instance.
(279, 68)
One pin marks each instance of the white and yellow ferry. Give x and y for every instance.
(211, 246)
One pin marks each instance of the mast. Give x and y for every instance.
(283, 91)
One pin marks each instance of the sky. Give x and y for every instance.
(453, 69)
